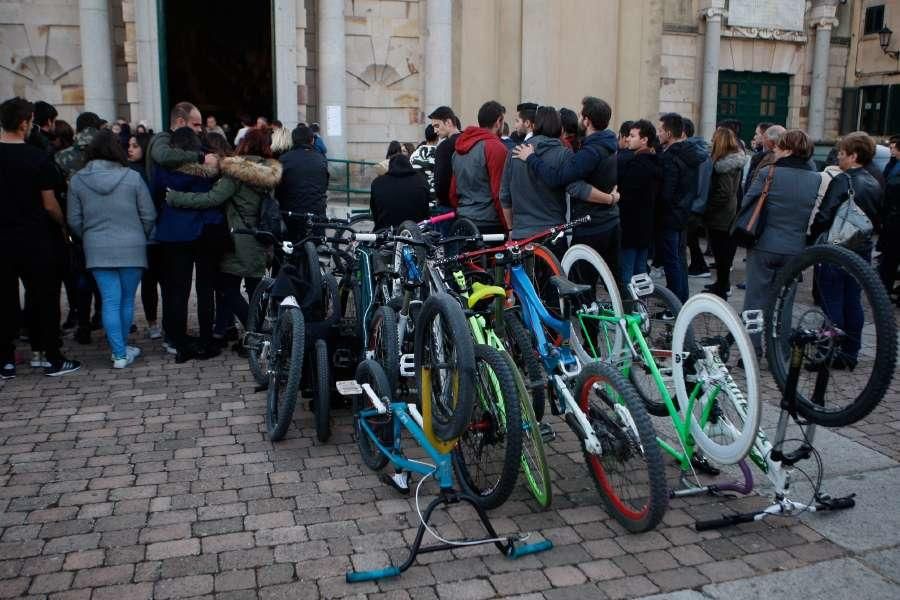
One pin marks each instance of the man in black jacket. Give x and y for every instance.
(680, 163)
(304, 178)
(399, 195)
(446, 125)
(889, 241)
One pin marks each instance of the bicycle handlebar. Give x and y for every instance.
(438, 219)
(315, 220)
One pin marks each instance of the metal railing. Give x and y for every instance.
(350, 180)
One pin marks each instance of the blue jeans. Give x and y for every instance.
(674, 262)
(841, 297)
(118, 288)
(633, 262)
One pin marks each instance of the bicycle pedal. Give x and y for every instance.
(753, 321)
(407, 365)
(702, 464)
(547, 433)
(641, 285)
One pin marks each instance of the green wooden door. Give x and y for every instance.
(752, 98)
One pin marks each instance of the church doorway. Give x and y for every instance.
(218, 55)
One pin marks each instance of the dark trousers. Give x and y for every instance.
(698, 263)
(723, 248)
(181, 259)
(841, 297)
(39, 275)
(607, 244)
(889, 260)
(150, 282)
(672, 255)
(230, 301)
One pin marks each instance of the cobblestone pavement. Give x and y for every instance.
(158, 482)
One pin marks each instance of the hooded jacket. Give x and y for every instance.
(71, 159)
(535, 205)
(245, 180)
(400, 194)
(704, 177)
(183, 224)
(721, 207)
(110, 209)
(595, 163)
(680, 164)
(640, 178)
(891, 211)
(477, 170)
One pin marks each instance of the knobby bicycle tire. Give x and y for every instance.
(322, 391)
(621, 442)
(534, 460)
(885, 361)
(384, 345)
(452, 393)
(660, 342)
(371, 372)
(284, 384)
(520, 346)
(259, 323)
(496, 422)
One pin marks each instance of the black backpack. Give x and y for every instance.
(268, 216)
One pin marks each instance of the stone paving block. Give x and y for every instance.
(104, 576)
(51, 582)
(183, 587)
(163, 550)
(474, 589)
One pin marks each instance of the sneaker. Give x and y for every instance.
(169, 347)
(62, 366)
(132, 351)
(154, 332)
(8, 371)
(664, 315)
(699, 273)
(121, 363)
(38, 360)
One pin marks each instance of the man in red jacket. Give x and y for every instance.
(477, 170)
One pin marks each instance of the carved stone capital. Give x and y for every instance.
(824, 23)
(713, 13)
(764, 34)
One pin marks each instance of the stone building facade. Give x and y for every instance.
(370, 70)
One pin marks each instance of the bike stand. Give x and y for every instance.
(447, 498)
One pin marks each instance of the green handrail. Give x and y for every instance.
(350, 178)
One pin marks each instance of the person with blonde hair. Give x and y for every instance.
(721, 208)
(281, 141)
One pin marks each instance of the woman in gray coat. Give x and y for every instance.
(110, 209)
(792, 195)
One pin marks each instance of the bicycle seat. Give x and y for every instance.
(566, 288)
(482, 295)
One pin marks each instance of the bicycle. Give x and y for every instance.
(379, 422)
(601, 408)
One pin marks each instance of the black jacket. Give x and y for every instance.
(680, 164)
(304, 181)
(866, 193)
(400, 194)
(891, 210)
(640, 178)
(443, 169)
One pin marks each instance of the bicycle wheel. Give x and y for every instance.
(658, 311)
(533, 460)
(834, 292)
(287, 367)
(258, 335)
(719, 356)
(322, 391)
(582, 264)
(546, 265)
(445, 372)
(382, 426)
(629, 474)
(520, 346)
(383, 344)
(487, 457)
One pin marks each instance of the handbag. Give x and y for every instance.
(851, 227)
(750, 223)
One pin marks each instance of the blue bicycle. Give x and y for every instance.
(597, 403)
(446, 366)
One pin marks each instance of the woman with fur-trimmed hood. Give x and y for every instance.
(246, 179)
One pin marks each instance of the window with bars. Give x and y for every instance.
(874, 19)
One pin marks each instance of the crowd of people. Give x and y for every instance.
(103, 210)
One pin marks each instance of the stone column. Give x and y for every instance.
(332, 72)
(709, 95)
(438, 54)
(149, 95)
(96, 58)
(818, 89)
(285, 34)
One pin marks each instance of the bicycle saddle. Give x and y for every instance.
(566, 288)
(482, 295)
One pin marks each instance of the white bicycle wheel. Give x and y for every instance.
(706, 334)
(583, 264)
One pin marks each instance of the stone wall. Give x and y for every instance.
(679, 83)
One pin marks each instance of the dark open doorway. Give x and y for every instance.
(218, 55)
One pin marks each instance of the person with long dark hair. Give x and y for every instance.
(110, 209)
